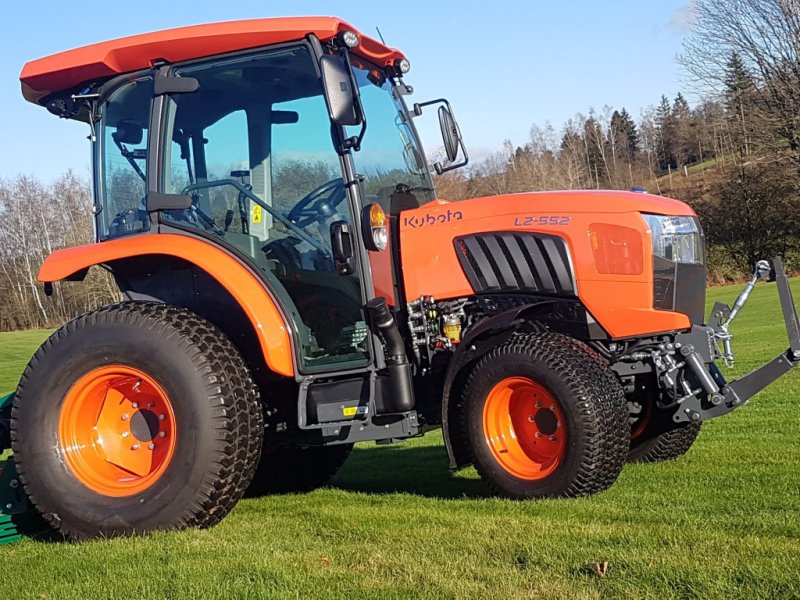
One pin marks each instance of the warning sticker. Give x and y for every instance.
(257, 213)
(349, 411)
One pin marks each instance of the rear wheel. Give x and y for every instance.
(545, 417)
(136, 417)
(286, 469)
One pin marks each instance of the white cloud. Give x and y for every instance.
(681, 19)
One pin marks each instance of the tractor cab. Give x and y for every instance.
(267, 154)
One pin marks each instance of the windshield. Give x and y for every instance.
(390, 154)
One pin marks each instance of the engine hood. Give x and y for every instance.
(564, 202)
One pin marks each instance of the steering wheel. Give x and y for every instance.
(318, 204)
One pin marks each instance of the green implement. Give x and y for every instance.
(17, 515)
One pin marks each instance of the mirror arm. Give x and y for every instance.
(442, 169)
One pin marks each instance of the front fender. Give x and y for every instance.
(235, 277)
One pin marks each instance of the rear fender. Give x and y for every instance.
(478, 341)
(250, 293)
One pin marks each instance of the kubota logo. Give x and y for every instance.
(417, 222)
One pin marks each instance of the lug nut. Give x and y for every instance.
(151, 446)
(135, 447)
(538, 435)
(162, 417)
(531, 418)
(135, 405)
(125, 434)
(161, 434)
(538, 405)
(552, 438)
(124, 417)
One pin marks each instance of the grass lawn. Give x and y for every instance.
(722, 522)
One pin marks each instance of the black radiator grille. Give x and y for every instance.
(516, 262)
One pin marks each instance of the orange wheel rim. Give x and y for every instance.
(525, 428)
(117, 430)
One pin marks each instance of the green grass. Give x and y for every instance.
(722, 522)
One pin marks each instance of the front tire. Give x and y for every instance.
(545, 417)
(133, 418)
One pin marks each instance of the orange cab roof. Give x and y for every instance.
(65, 70)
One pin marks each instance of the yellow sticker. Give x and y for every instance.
(257, 214)
(349, 411)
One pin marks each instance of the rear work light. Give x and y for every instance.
(617, 250)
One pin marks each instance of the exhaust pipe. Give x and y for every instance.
(402, 399)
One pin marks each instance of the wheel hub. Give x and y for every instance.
(117, 430)
(525, 428)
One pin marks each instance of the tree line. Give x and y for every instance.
(38, 219)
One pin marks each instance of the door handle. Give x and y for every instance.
(342, 242)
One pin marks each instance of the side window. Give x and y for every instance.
(123, 147)
(226, 156)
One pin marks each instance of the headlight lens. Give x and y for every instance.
(679, 239)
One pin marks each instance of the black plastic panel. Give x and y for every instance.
(680, 287)
(516, 262)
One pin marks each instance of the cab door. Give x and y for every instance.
(252, 147)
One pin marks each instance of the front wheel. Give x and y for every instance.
(545, 417)
(136, 417)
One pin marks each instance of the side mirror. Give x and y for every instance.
(451, 135)
(337, 82)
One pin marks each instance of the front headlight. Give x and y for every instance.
(677, 239)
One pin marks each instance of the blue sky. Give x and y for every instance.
(503, 65)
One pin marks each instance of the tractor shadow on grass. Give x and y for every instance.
(418, 470)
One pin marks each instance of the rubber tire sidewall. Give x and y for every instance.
(521, 365)
(52, 485)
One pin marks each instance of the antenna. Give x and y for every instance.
(380, 35)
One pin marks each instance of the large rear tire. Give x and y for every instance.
(296, 469)
(136, 417)
(545, 417)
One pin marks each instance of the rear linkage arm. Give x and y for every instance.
(724, 397)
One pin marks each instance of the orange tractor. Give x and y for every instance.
(292, 286)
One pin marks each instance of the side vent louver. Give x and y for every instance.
(516, 262)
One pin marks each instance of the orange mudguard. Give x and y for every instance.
(249, 292)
